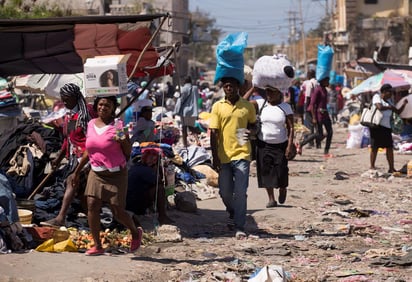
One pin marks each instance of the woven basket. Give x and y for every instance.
(60, 235)
(25, 216)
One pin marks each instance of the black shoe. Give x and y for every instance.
(230, 224)
(230, 221)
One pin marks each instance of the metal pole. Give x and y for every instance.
(302, 27)
(101, 7)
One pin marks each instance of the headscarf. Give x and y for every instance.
(72, 90)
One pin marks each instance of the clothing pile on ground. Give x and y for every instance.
(24, 154)
(26, 150)
(8, 103)
(358, 135)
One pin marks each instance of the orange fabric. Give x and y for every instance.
(92, 40)
(84, 36)
(149, 59)
(136, 39)
(106, 36)
(133, 42)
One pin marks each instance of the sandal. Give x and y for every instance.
(94, 251)
(135, 244)
(271, 204)
(51, 223)
(298, 148)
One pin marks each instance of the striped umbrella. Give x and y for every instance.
(374, 82)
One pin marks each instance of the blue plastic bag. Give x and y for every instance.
(324, 66)
(339, 79)
(229, 57)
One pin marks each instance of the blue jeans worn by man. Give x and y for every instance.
(233, 184)
(231, 152)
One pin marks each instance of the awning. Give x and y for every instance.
(61, 45)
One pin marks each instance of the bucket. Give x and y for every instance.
(25, 216)
(26, 204)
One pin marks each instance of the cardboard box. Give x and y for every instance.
(106, 75)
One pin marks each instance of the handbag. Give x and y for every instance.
(371, 117)
(258, 122)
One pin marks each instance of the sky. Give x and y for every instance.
(265, 21)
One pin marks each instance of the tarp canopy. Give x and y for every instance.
(374, 82)
(61, 45)
(48, 84)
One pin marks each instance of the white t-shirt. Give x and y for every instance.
(309, 86)
(386, 114)
(273, 121)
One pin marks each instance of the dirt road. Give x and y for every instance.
(357, 228)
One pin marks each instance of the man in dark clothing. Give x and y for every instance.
(144, 184)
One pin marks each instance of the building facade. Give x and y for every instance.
(371, 28)
(176, 30)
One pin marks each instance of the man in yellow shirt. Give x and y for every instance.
(230, 119)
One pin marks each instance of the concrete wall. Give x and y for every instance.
(384, 8)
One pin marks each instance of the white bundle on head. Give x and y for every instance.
(274, 71)
(248, 72)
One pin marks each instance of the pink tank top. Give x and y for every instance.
(103, 150)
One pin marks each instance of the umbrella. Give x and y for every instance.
(374, 82)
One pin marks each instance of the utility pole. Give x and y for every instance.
(292, 36)
(303, 37)
(101, 7)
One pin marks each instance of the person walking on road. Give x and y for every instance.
(74, 131)
(381, 136)
(188, 109)
(320, 115)
(274, 146)
(308, 86)
(231, 151)
(108, 148)
(320, 119)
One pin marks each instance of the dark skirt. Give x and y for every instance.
(381, 137)
(272, 165)
(109, 187)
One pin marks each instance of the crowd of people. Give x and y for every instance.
(247, 123)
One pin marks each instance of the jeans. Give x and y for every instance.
(307, 121)
(233, 184)
(327, 123)
(318, 136)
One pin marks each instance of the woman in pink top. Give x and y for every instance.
(108, 149)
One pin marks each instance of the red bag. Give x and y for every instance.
(41, 234)
(301, 100)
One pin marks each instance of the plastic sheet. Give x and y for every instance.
(324, 66)
(229, 57)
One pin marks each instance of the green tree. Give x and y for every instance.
(19, 9)
(204, 36)
(320, 29)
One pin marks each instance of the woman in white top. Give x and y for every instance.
(274, 143)
(381, 136)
